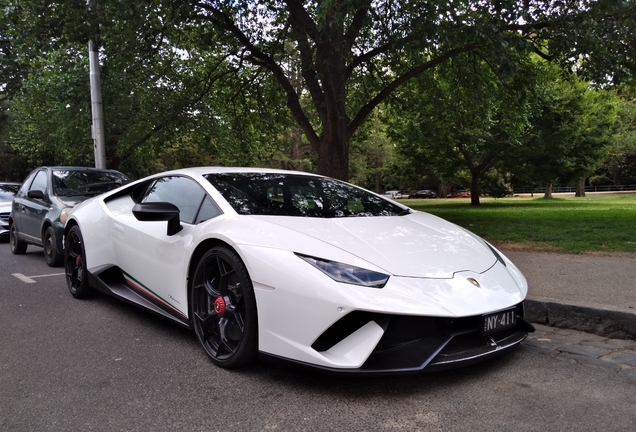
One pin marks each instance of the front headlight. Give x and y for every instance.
(346, 273)
(64, 214)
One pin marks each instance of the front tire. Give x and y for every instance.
(18, 247)
(224, 314)
(52, 257)
(75, 264)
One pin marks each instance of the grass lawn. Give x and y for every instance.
(598, 223)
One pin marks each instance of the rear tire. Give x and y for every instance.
(18, 247)
(224, 314)
(75, 264)
(52, 257)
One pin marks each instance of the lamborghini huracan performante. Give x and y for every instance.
(299, 269)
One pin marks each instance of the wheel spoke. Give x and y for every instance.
(210, 325)
(225, 270)
(225, 327)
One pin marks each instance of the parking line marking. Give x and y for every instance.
(23, 278)
(29, 279)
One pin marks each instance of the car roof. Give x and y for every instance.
(227, 170)
(77, 168)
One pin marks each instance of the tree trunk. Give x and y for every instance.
(378, 181)
(474, 189)
(444, 188)
(333, 152)
(297, 151)
(548, 191)
(580, 188)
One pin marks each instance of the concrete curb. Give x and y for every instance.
(602, 320)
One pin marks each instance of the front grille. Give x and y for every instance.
(412, 342)
(4, 218)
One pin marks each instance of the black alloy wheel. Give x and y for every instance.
(18, 247)
(75, 264)
(224, 312)
(51, 255)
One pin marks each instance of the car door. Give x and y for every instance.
(152, 260)
(29, 211)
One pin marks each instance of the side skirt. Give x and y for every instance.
(110, 280)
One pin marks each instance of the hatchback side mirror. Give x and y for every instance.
(35, 194)
(159, 211)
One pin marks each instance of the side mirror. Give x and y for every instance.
(35, 194)
(159, 211)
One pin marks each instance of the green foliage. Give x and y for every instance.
(467, 115)
(51, 115)
(234, 82)
(570, 133)
(619, 165)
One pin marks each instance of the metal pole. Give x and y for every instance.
(97, 130)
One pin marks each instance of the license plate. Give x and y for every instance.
(498, 321)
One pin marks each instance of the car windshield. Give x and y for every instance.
(298, 195)
(86, 182)
(8, 191)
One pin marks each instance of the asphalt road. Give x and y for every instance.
(102, 365)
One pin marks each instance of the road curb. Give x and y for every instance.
(603, 320)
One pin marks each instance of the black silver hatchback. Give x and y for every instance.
(42, 204)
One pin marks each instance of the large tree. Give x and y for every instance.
(569, 135)
(467, 115)
(355, 53)
(352, 55)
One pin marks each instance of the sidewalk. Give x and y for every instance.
(591, 293)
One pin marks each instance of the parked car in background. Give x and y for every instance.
(425, 193)
(44, 200)
(393, 194)
(7, 192)
(459, 194)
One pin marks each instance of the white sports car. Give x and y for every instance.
(298, 268)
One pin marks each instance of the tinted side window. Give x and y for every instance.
(208, 210)
(25, 186)
(180, 191)
(39, 182)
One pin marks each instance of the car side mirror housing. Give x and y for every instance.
(35, 194)
(159, 211)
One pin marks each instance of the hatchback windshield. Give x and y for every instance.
(85, 182)
(298, 195)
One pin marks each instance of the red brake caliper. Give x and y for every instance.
(219, 306)
(78, 261)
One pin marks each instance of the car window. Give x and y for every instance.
(186, 194)
(86, 182)
(208, 210)
(297, 195)
(25, 186)
(39, 182)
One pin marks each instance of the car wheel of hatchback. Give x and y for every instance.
(52, 257)
(18, 247)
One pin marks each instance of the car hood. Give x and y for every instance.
(415, 245)
(72, 201)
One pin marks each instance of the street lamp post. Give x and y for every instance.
(97, 129)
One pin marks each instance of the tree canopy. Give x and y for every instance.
(214, 75)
